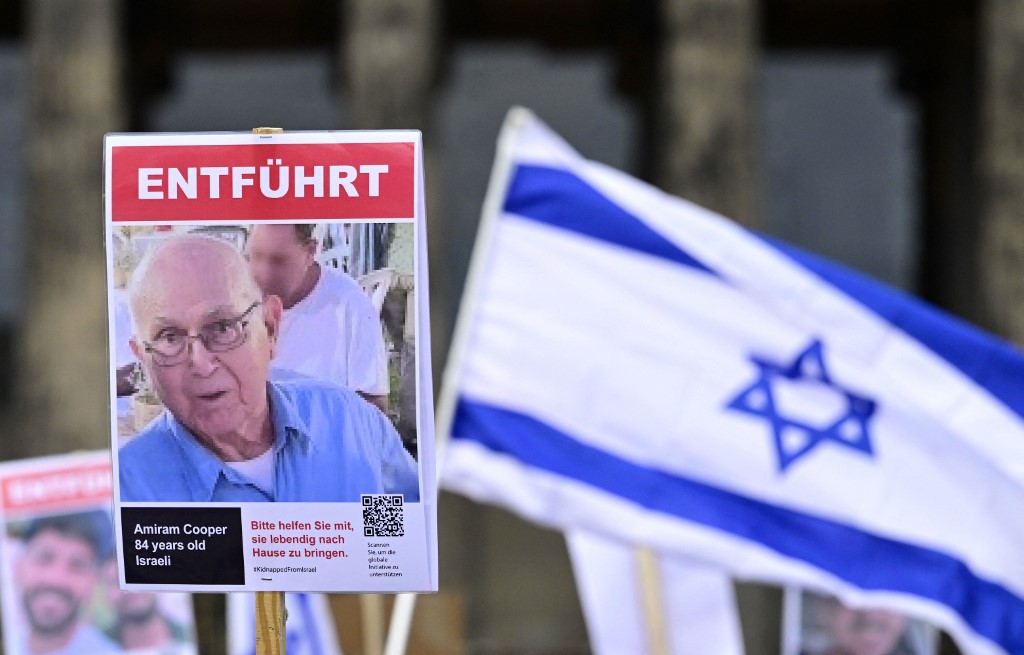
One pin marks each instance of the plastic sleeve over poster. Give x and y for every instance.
(271, 411)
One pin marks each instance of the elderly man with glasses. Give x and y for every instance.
(205, 338)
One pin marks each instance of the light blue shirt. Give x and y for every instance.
(330, 446)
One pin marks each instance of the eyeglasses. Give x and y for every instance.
(222, 335)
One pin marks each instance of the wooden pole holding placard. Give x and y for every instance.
(270, 609)
(652, 601)
(270, 620)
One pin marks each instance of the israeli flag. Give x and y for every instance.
(634, 365)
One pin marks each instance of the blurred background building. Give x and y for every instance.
(887, 134)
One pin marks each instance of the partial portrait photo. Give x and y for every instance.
(270, 362)
(65, 598)
(827, 626)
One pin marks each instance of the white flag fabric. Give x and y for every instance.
(697, 601)
(631, 364)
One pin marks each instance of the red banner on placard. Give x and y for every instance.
(41, 489)
(262, 182)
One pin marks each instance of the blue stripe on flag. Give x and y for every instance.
(561, 199)
(992, 364)
(863, 559)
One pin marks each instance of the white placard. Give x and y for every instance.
(61, 593)
(269, 331)
(815, 624)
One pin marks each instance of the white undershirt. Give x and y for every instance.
(259, 470)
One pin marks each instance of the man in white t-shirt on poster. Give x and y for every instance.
(330, 330)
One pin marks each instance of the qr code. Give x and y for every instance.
(383, 516)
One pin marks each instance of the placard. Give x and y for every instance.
(816, 624)
(272, 421)
(61, 593)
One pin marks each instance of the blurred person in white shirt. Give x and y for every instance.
(330, 328)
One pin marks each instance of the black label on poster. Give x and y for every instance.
(182, 545)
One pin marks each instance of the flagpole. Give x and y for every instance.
(401, 624)
(501, 177)
(652, 600)
(270, 619)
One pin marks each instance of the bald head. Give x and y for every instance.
(188, 258)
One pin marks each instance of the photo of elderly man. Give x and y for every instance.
(205, 335)
(55, 576)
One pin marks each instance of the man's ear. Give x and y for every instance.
(310, 248)
(272, 311)
(136, 347)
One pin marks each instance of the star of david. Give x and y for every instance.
(795, 434)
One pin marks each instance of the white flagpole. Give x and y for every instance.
(401, 624)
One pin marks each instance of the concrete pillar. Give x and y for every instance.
(75, 97)
(704, 111)
(1001, 167)
(388, 60)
